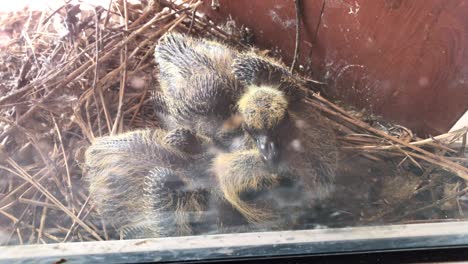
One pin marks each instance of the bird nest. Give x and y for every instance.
(78, 73)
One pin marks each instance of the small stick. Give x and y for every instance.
(69, 195)
(34, 219)
(37, 203)
(461, 153)
(9, 216)
(78, 216)
(42, 222)
(297, 4)
(20, 237)
(96, 69)
(104, 228)
(106, 111)
(88, 117)
(192, 20)
(78, 119)
(108, 16)
(123, 81)
(318, 24)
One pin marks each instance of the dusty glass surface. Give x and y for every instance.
(147, 119)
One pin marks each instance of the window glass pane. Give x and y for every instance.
(150, 119)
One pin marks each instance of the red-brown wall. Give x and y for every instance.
(404, 59)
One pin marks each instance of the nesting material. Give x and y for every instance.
(399, 188)
(73, 74)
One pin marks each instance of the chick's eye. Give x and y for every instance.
(246, 128)
(249, 130)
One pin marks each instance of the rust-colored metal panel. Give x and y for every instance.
(406, 60)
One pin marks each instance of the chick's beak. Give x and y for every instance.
(269, 149)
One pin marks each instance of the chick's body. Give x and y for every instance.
(292, 167)
(279, 196)
(149, 183)
(198, 87)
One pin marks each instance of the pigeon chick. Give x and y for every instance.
(149, 183)
(198, 88)
(294, 147)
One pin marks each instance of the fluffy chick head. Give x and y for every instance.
(264, 110)
(263, 107)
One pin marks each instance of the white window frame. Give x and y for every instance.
(264, 244)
